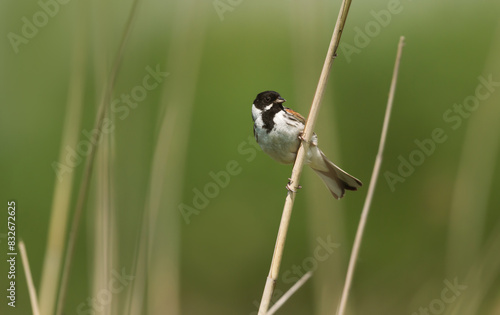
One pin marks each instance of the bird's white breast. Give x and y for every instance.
(282, 142)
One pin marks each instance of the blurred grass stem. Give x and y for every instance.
(89, 163)
(103, 223)
(373, 184)
(60, 208)
(472, 252)
(158, 262)
(301, 154)
(479, 157)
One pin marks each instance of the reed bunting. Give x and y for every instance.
(278, 131)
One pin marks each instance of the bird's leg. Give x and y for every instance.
(289, 186)
(314, 140)
(301, 137)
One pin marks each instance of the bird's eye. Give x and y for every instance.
(268, 99)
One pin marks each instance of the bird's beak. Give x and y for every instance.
(280, 100)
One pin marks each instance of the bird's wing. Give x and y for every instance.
(298, 116)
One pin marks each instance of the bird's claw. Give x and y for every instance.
(313, 140)
(289, 186)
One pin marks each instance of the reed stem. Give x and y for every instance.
(301, 154)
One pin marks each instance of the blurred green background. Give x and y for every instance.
(187, 254)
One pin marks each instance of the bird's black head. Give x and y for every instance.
(267, 98)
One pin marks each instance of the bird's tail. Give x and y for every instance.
(333, 176)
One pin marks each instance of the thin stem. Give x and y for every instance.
(289, 293)
(63, 190)
(89, 164)
(29, 279)
(373, 183)
(299, 162)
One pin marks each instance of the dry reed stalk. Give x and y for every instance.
(288, 294)
(299, 162)
(29, 279)
(307, 22)
(373, 184)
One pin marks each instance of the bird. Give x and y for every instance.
(278, 131)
